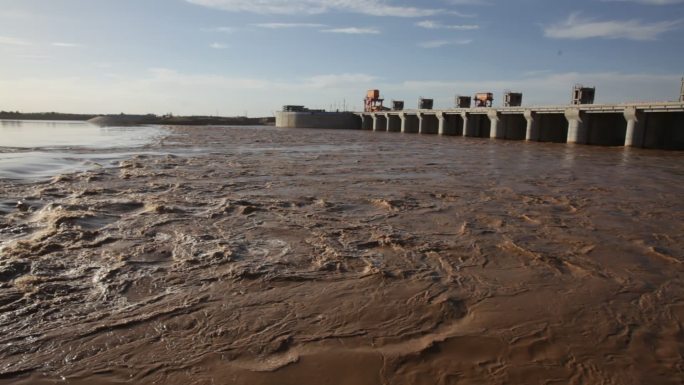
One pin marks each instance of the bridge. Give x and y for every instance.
(650, 125)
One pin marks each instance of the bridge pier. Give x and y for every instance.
(531, 129)
(636, 124)
(497, 130)
(409, 123)
(428, 123)
(366, 122)
(393, 123)
(466, 124)
(449, 124)
(577, 126)
(379, 122)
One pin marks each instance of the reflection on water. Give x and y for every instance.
(32, 134)
(40, 149)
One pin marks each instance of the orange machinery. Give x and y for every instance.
(373, 102)
(484, 99)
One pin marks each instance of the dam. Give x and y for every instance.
(644, 125)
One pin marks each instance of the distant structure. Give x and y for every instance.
(484, 99)
(512, 99)
(397, 105)
(425, 104)
(583, 95)
(373, 102)
(463, 101)
(681, 93)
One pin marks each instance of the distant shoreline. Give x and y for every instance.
(142, 119)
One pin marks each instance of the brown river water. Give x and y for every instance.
(296, 257)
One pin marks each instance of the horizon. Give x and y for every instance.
(238, 58)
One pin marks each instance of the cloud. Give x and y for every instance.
(353, 31)
(67, 45)
(289, 25)
(576, 27)
(6, 40)
(430, 24)
(218, 46)
(443, 43)
(295, 7)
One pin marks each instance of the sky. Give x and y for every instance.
(250, 57)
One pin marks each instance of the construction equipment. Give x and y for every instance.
(425, 104)
(397, 105)
(463, 101)
(484, 99)
(373, 102)
(583, 95)
(512, 99)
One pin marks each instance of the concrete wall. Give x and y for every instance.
(409, 123)
(552, 127)
(664, 130)
(479, 126)
(336, 120)
(514, 126)
(393, 123)
(606, 129)
(380, 122)
(428, 124)
(650, 126)
(452, 124)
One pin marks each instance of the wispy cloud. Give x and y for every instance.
(218, 46)
(443, 43)
(67, 45)
(7, 40)
(577, 27)
(289, 25)
(295, 7)
(353, 31)
(430, 24)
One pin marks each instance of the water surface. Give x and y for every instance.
(39, 149)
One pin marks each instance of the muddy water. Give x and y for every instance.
(347, 257)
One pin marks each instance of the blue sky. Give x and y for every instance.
(236, 57)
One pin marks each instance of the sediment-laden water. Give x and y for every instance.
(347, 257)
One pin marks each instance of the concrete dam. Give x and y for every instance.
(645, 125)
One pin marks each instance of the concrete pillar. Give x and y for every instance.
(497, 128)
(532, 131)
(577, 126)
(634, 137)
(442, 120)
(393, 123)
(428, 123)
(465, 117)
(408, 123)
(379, 122)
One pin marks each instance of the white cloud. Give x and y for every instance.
(293, 7)
(430, 24)
(288, 25)
(66, 45)
(6, 40)
(218, 46)
(576, 27)
(353, 31)
(443, 43)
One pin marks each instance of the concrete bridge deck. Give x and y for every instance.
(650, 125)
